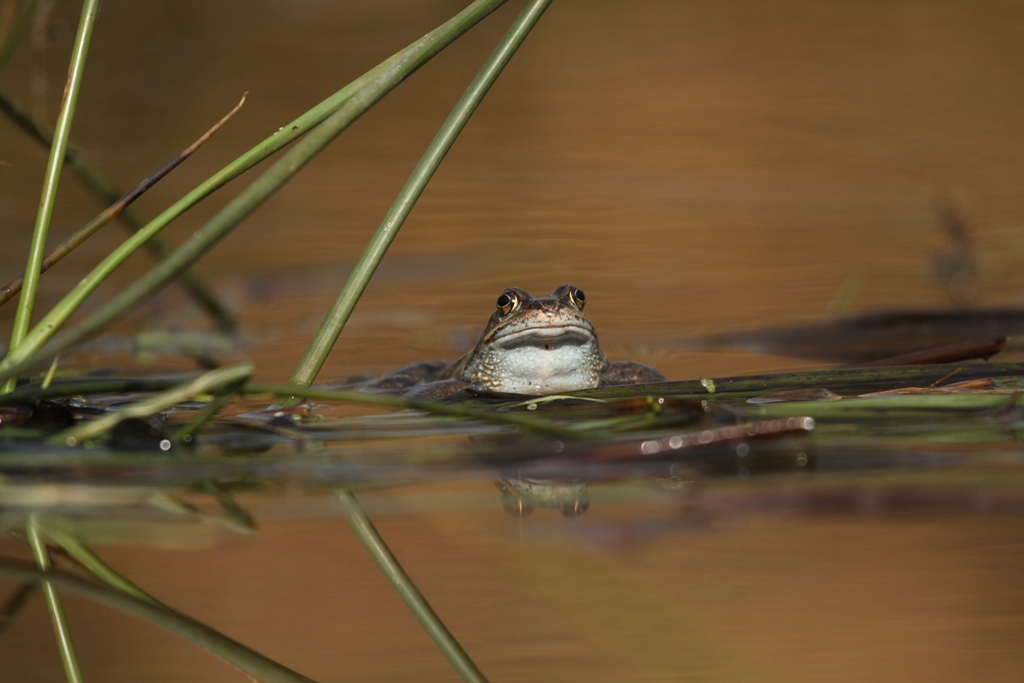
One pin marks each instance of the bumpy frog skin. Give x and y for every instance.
(533, 346)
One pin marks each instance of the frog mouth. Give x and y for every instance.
(547, 336)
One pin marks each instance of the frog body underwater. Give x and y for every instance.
(531, 345)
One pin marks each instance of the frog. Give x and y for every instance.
(531, 346)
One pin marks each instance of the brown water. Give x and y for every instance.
(695, 168)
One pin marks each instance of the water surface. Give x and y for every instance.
(696, 169)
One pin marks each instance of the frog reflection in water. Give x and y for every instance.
(532, 346)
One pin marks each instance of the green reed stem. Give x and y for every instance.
(61, 134)
(347, 105)
(56, 607)
(97, 566)
(211, 381)
(51, 373)
(358, 279)
(400, 581)
(332, 325)
(233, 652)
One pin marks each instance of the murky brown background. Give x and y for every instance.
(695, 167)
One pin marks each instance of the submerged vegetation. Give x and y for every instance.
(168, 440)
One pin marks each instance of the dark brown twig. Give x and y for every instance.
(951, 353)
(945, 377)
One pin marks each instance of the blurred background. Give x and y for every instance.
(696, 168)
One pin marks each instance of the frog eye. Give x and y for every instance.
(577, 297)
(508, 302)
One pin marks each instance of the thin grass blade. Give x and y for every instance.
(61, 135)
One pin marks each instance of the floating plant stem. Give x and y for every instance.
(211, 381)
(448, 409)
(361, 273)
(32, 394)
(347, 105)
(892, 406)
(62, 133)
(56, 607)
(233, 652)
(839, 380)
(411, 596)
